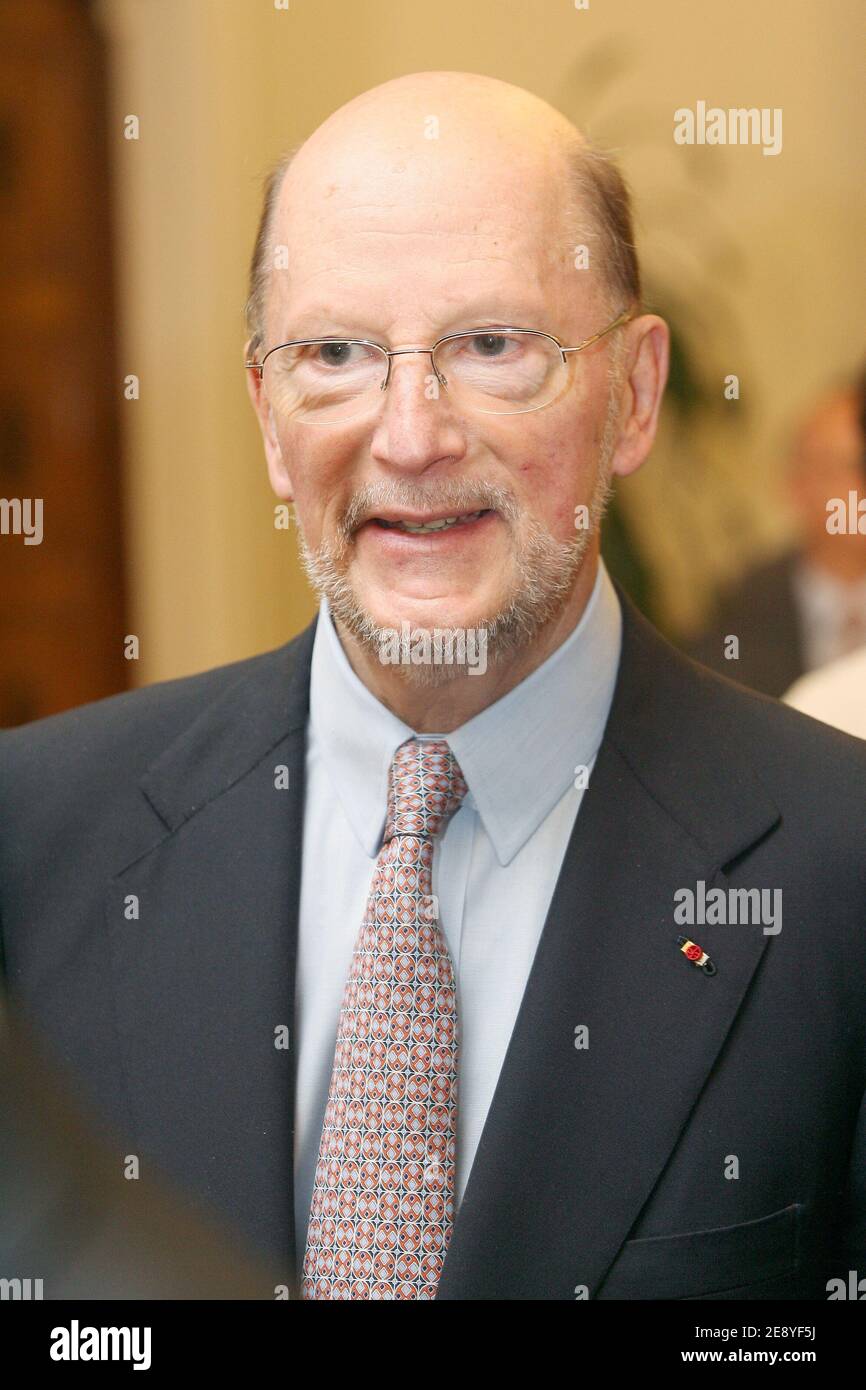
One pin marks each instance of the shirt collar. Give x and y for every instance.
(518, 756)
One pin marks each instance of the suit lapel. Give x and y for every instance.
(576, 1139)
(204, 977)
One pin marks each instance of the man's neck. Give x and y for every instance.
(441, 709)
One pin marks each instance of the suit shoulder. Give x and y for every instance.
(700, 719)
(777, 738)
(127, 729)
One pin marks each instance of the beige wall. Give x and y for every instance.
(764, 255)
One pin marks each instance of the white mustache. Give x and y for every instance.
(454, 498)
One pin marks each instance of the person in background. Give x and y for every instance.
(806, 608)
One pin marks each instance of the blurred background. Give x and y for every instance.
(123, 403)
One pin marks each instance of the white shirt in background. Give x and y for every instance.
(832, 614)
(836, 694)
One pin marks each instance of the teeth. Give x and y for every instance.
(421, 528)
(428, 525)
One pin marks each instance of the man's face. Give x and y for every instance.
(829, 463)
(403, 253)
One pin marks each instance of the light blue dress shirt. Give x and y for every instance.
(494, 868)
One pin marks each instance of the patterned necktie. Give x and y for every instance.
(383, 1199)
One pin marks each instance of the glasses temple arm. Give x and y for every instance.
(622, 318)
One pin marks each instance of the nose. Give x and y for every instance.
(416, 425)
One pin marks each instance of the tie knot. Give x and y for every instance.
(425, 788)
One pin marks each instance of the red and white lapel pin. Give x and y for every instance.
(696, 954)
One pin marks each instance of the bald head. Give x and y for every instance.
(453, 145)
(492, 119)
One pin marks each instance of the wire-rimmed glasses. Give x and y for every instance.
(491, 370)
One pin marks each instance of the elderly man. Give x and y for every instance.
(475, 944)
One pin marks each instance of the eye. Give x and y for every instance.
(336, 354)
(491, 344)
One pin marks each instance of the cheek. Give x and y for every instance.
(321, 471)
(555, 471)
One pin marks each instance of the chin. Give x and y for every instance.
(504, 609)
(438, 610)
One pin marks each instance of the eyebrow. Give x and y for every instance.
(473, 315)
(322, 325)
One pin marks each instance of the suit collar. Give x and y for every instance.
(671, 723)
(268, 701)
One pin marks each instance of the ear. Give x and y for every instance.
(647, 357)
(277, 470)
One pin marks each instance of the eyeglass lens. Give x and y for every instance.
(494, 372)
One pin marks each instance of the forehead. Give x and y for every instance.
(421, 233)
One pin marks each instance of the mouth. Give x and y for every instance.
(429, 525)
